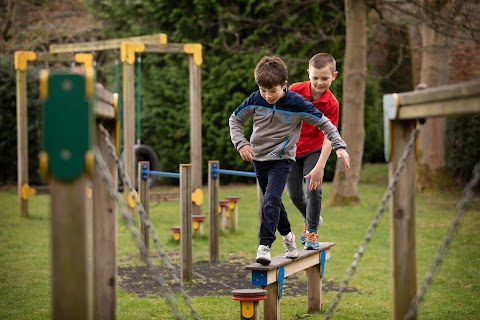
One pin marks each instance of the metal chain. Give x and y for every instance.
(374, 224)
(468, 193)
(162, 255)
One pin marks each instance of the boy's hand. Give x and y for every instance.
(246, 152)
(342, 153)
(316, 178)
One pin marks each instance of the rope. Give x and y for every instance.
(374, 224)
(161, 254)
(468, 193)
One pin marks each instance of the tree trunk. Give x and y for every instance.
(345, 183)
(431, 172)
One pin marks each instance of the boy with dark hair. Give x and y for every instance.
(277, 117)
(313, 149)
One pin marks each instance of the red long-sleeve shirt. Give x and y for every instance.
(311, 138)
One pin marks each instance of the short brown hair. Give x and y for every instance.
(270, 71)
(320, 60)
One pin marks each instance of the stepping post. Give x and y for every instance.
(233, 209)
(249, 299)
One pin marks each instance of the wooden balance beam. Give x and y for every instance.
(271, 277)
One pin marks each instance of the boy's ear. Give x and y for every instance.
(335, 74)
(285, 85)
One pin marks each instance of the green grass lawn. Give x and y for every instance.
(25, 286)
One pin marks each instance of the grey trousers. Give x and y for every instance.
(308, 202)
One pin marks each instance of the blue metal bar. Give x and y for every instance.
(234, 172)
(162, 173)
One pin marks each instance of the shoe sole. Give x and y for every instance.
(291, 257)
(263, 261)
(311, 248)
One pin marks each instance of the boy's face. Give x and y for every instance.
(272, 95)
(320, 79)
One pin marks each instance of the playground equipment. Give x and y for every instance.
(67, 162)
(249, 299)
(401, 115)
(156, 43)
(21, 60)
(187, 198)
(272, 276)
(214, 172)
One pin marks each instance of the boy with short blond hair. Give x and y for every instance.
(277, 117)
(313, 149)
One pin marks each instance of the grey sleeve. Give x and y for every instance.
(236, 132)
(331, 132)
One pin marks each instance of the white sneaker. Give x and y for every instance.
(290, 248)
(263, 255)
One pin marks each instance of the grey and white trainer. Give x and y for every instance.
(290, 248)
(263, 255)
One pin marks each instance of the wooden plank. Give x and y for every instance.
(402, 223)
(104, 110)
(446, 108)
(281, 260)
(441, 93)
(104, 234)
(102, 45)
(22, 140)
(442, 101)
(167, 48)
(48, 57)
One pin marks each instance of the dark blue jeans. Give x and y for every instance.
(272, 178)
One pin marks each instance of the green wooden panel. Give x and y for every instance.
(68, 125)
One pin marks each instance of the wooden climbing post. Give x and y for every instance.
(21, 59)
(144, 194)
(186, 221)
(67, 161)
(213, 187)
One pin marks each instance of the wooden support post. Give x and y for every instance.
(129, 122)
(186, 221)
(213, 187)
(195, 127)
(403, 253)
(104, 234)
(71, 279)
(22, 140)
(271, 310)
(144, 194)
(314, 288)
